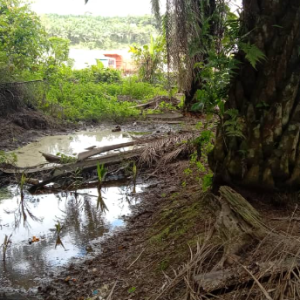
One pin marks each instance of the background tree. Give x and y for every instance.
(22, 38)
(192, 29)
(150, 60)
(258, 142)
(101, 32)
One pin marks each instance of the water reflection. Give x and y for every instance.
(84, 218)
(70, 145)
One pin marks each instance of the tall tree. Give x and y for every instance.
(258, 143)
(192, 29)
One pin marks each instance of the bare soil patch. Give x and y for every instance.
(26, 125)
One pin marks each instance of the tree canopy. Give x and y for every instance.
(101, 32)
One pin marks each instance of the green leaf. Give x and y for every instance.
(253, 54)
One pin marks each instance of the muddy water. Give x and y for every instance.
(84, 225)
(84, 222)
(70, 145)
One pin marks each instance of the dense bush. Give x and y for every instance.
(28, 55)
(91, 94)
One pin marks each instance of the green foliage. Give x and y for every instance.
(234, 125)
(7, 158)
(132, 290)
(22, 39)
(91, 32)
(97, 73)
(101, 172)
(59, 49)
(26, 53)
(136, 89)
(58, 228)
(150, 60)
(65, 159)
(198, 168)
(207, 181)
(253, 54)
(220, 65)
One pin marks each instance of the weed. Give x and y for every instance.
(8, 158)
(132, 290)
(164, 265)
(65, 159)
(5, 245)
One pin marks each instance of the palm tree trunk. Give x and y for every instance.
(268, 101)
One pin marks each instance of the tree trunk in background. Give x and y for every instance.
(196, 82)
(268, 101)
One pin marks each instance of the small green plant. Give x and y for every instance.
(65, 159)
(253, 54)
(207, 182)
(8, 158)
(58, 229)
(101, 172)
(134, 174)
(164, 264)
(234, 126)
(132, 290)
(166, 106)
(5, 245)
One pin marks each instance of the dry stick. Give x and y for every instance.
(51, 158)
(287, 219)
(112, 291)
(267, 295)
(95, 151)
(136, 259)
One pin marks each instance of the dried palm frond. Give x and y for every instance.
(270, 271)
(165, 150)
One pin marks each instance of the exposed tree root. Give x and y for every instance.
(238, 223)
(272, 274)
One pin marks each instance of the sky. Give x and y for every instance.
(97, 7)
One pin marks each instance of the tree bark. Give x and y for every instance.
(268, 101)
(196, 80)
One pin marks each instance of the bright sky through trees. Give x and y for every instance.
(98, 7)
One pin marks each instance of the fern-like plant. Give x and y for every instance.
(253, 54)
(233, 127)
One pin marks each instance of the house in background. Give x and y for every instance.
(108, 62)
(116, 59)
(120, 63)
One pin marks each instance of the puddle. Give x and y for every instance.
(83, 227)
(70, 145)
(84, 223)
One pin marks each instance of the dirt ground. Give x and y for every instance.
(27, 125)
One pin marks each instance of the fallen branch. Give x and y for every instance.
(157, 100)
(136, 259)
(95, 151)
(51, 158)
(109, 159)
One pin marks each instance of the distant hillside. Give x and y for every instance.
(92, 32)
